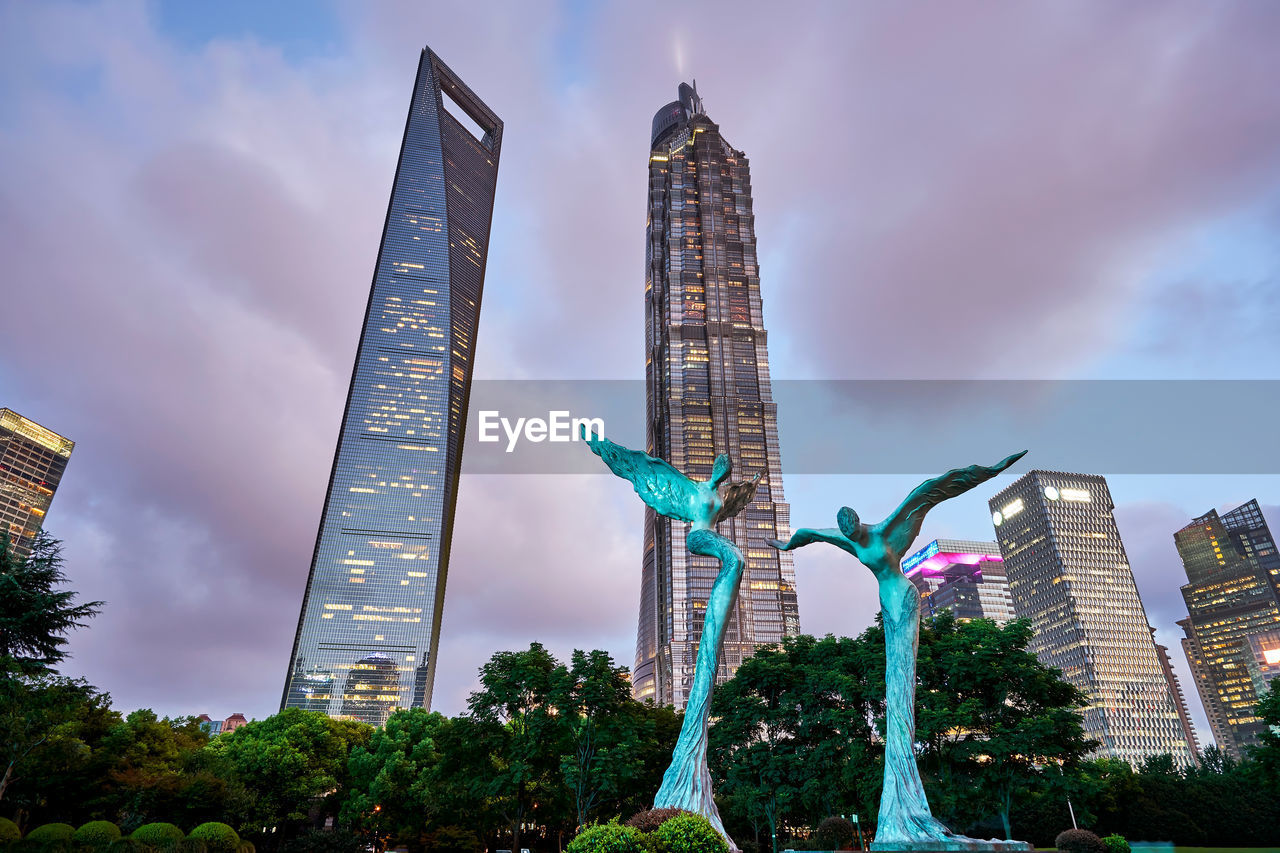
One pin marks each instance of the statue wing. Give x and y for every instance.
(657, 482)
(902, 528)
(807, 536)
(737, 496)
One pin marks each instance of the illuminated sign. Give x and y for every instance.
(1051, 493)
(1271, 656)
(1012, 508)
(1078, 495)
(920, 556)
(996, 518)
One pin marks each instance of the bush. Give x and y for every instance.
(246, 847)
(8, 831)
(127, 845)
(52, 832)
(834, 833)
(217, 837)
(97, 832)
(1079, 841)
(157, 834)
(188, 845)
(609, 837)
(690, 833)
(1116, 844)
(323, 841)
(648, 821)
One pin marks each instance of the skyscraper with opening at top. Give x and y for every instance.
(370, 624)
(709, 392)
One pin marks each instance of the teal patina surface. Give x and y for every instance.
(703, 504)
(905, 821)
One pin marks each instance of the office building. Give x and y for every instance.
(962, 576)
(1179, 698)
(1264, 660)
(32, 461)
(370, 622)
(708, 391)
(1232, 594)
(1069, 575)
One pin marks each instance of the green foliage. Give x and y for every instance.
(690, 833)
(1078, 841)
(97, 832)
(34, 614)
(157, 834)
(650, 819)
(1116, 844)
(610, 837)
(52, 832)
(1267, 753)
(394, 780)
(217, 837)
(288, 763)
(834, 833)
(8, 831)
(322, 841)
(126, 845)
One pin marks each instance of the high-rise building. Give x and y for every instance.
(1264, 664)
(708, 392)
(1179, 698)
(1232, 593)
(1068, 574)
(370, 623)
(32, 460)
(962, 576)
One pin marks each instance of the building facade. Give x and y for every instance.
(962, 576)
(1179, 698)
(32, 461)
(1232, 594)
(1068, 574)
(708, 392)
(370, 622)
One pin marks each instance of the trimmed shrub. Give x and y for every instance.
(324, 841)
(611, 837)
(97, 832)
(690, 833)
(1116, 844)
(1079, 841)
(834, 833)
(246, 847)
(189, 845)
(157, 834)
(8, 831)
(217, 837)
(648, 821)
(52, 832)
(127, 845)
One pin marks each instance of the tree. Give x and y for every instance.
(394, 780)
(991, 716)
(518, 720)
(792, 739)
(44, 723)
(290, 763)
(605, 728)
(1267, 753)
(34, 615)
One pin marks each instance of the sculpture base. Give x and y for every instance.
(954, 844)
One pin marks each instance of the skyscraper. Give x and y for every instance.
(964, 577)
(32, 460)
(1232, 594)
(1179, 698)
(370, 622)
(708, 392)
(1068, 573)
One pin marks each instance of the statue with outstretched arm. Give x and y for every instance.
(905, 821)
(703, 504)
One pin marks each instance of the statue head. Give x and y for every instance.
(721, 470)
(849, 524)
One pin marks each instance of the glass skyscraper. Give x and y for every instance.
(370, 622)
(1069, 575)
(962, 576)
(32, 460)
(708, 392)
(1232, 595)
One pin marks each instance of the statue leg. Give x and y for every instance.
(906, 821)
(687, 782)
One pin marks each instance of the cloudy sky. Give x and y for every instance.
(191, 198)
